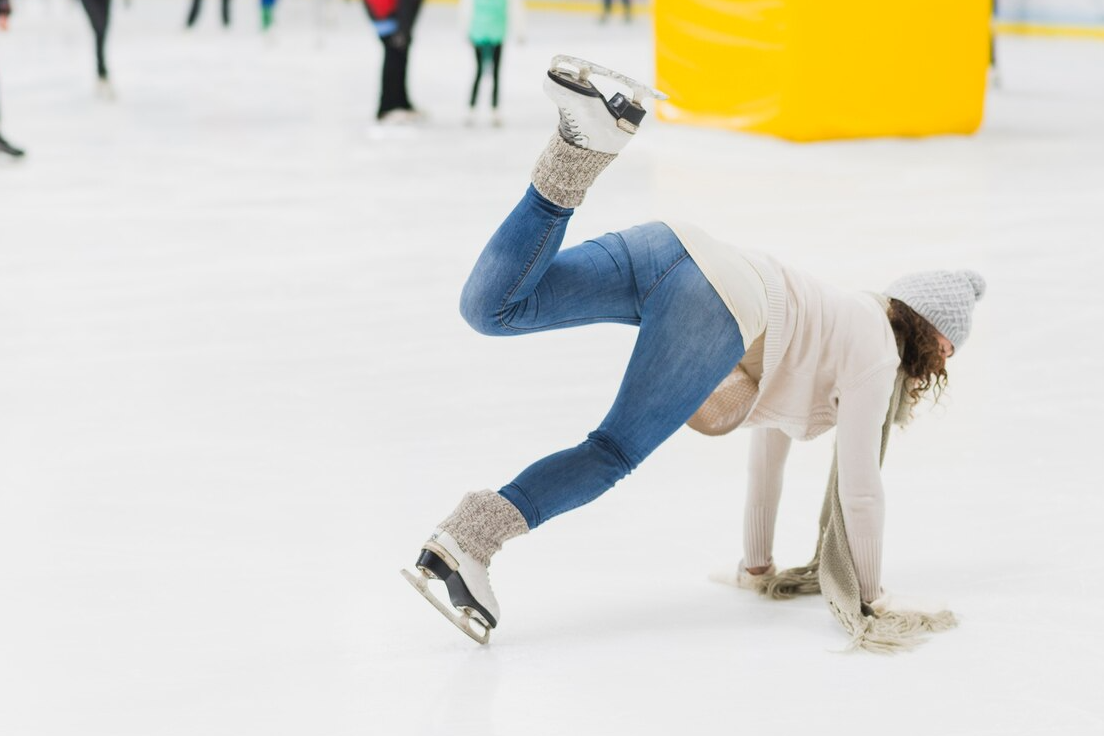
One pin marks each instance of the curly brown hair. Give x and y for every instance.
(918, 344)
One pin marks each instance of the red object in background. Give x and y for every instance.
(381, 9)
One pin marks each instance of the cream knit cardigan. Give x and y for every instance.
(829, 360)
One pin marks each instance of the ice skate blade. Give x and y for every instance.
(463, 621)
(586, 69)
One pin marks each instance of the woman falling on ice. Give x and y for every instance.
(727, 336)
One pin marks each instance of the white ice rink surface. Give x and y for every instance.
(236, 395)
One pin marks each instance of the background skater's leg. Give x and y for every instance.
(193, 15)
(478, 74)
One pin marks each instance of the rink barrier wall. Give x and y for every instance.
(1089, 31)
(568, 6)
(1021, 28)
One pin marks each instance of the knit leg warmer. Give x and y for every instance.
(482, 523)
(564, 172)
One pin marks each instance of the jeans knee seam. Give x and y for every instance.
(628, 259)
(616, 447)
(525, 272)
(662, 276)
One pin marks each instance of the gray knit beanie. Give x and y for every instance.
(944, 298)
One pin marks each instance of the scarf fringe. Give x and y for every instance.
(787, 584)
(893, 631)
(889, 633)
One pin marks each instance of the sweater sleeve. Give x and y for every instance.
(766, 464)
(861, 415)
(5, 7)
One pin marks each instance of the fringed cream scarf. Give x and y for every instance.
(831, 572)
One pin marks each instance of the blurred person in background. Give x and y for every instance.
(5, 147)
(486, 23)
(193, 16)
(99, 14)
(607, 10)
(268, 17)
(394, 23)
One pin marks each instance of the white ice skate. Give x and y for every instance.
(474, 609)
(587, 118)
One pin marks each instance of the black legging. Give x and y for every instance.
(99, 12)
(607, 6)
(481, 53)
(396, 49)
(393, 84)
(194, 15)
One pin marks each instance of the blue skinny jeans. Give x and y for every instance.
(687, 342)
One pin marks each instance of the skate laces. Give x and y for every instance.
(569, 129)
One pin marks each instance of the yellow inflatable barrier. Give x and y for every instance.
(809, 70)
